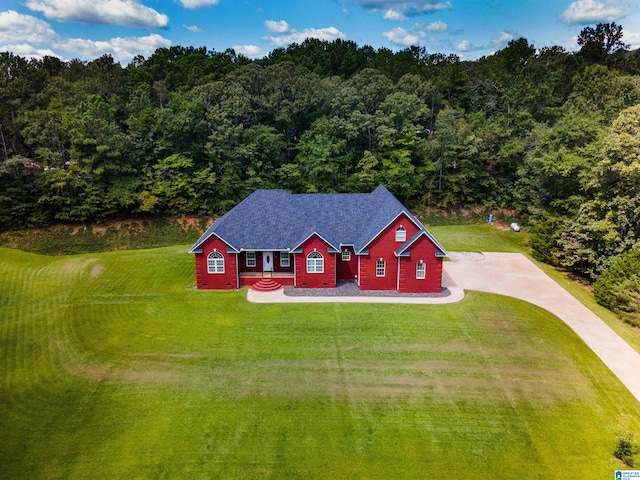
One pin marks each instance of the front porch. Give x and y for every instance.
(248, 279)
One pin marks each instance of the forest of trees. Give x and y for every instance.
(553, 134)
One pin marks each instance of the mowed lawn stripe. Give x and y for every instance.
(119, 368)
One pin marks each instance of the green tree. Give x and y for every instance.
(618, 288)
(599, 42)
(20, 80)
(18, 177)
(609, 224)
(172, 186)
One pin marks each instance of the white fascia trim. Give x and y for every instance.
(199, 243)
(442, 253)
(319, 236)
(408, 215)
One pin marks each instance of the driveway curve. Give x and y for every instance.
(515, 275)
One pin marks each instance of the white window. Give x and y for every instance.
(215, 263)
(380, 268)
(346, 255)
(421, 270)
(285, 259)
(251, 259)
(315, 263)
(401, 235)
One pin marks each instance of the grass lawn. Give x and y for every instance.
(485, 238)
(113, 366)
(480, 238)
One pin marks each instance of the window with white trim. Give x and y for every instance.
(285, 259)
(251, 259)
(346, 255)
(380, 268)
(401, 235)
(215, 263)
(315, 263)
(421, 270)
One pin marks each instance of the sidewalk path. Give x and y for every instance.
(514, 275)
(278, 296)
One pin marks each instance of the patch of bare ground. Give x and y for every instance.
(193, 222)
(471, 214)
(167, 355)
(76, 265)
(466, 257)
(96, 271)
(501, 226)
(579, 282)
(453, 381)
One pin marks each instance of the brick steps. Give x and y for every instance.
(266, 285)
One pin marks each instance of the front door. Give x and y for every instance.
(267, 261)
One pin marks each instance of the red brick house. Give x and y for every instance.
(316, 240)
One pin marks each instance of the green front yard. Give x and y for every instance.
(113, 366)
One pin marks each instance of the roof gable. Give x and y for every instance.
(404, 249)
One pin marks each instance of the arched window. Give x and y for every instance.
(315, 263)
(421, 270)
(401, 235)
(380, 268)
(215, 263)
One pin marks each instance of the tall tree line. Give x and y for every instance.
(193, 131)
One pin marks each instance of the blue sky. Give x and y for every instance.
(87, 29)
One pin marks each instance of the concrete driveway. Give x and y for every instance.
(515, 275)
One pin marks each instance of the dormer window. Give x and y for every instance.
(401, 235)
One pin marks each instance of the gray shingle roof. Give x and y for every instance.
(277, 220)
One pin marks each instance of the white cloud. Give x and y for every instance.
(28, 51)
(126, 13)
(195, 4)
(251, 51)
(632, 38)
(18, 28)
(399, 36)
(29, 36)
(467, 46)
(193, 28)
(570, 44)
(276, 26)
(591, 11)
(329, 34)
(121, 49)
(437, 27)
(503, 39)
(406, 8)
(394, 15)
